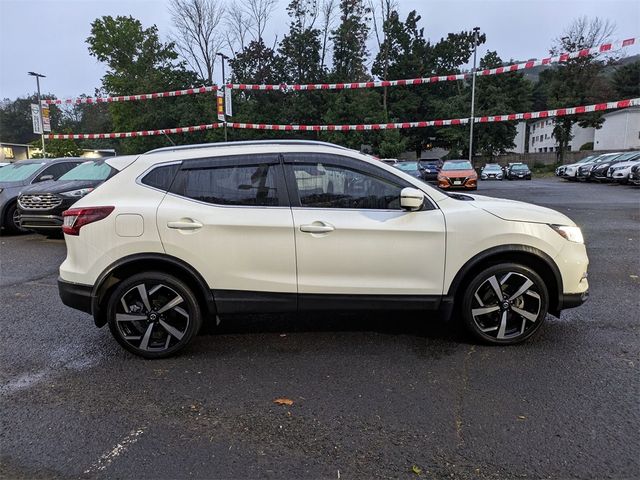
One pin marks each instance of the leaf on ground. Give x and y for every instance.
(416, 469)
(521, 417)
(283, 401)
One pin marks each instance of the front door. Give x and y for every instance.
(352, 237)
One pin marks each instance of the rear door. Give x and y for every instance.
(352, 237)
(229, 218)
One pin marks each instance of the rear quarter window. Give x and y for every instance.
(161, 177)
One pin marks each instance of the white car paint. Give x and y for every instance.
(262, 249)
(621, 171)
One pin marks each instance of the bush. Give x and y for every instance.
(587, 146)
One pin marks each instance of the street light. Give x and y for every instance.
(223, 57)
(476, 40)
(38, 76)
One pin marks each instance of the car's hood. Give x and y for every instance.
(61, 186)
(519, 211)
(626, 164)
(11, 184)
(457, 173)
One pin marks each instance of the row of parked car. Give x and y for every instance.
(453, 174)
(34, 193)
(620, 167)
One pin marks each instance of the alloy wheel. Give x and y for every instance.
(152, 317)
(506, 306)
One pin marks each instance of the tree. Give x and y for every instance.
(350, 42)
(328, 14)
(15, 118)
(499, 94)
(138, 62)
(626, 80)
(578, 81)
(197, 37)
(382, 13)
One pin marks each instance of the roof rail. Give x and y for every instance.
(245, 142)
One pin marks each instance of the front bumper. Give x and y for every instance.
(76, 295)
(634, 177)
(45, 219)
(463, 183)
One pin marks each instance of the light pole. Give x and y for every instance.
(476, 38)
(223, 57)
(38, 75)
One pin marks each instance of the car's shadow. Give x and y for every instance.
(419, 324)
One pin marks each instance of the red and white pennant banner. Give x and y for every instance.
(129, 98)
(438, 78)
(558, 112)
(283, 87)
(140, 133)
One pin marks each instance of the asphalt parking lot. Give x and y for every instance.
(374, 396)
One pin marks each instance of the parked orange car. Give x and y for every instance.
(457, 174)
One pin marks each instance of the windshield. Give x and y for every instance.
(519, 167)
(17, 172)
(463, 165)
(92, 170)
(627, 156)
(492, 166)
(407, 166)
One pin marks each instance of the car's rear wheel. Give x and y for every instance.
(153, 315)
(505, 304)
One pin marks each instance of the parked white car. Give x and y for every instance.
(184, 234)
(620, 171)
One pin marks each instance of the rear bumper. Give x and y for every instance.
(76, 295)
(572, 300)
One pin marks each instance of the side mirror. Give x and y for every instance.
(44, 178)
(411, 199)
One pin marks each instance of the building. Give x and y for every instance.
(13, 152)
(541, 136)
(620, 130)
(520, 139)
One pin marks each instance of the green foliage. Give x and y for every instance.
(392, 144)
(587, 146)
(58, 148)
(626, 80)
(138, 62)
(350, 42)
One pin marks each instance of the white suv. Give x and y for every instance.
(184, 234)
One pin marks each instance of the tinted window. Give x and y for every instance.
(253, 185)
(58, 169)
(323, 185)
(161, 177)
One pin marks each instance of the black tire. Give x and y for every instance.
(175, 327)
(505, 325)
(9, 223)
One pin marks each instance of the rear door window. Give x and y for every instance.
(242, 180)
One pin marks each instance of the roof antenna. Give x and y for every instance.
(168, 138)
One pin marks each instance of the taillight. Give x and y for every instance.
(75, 218)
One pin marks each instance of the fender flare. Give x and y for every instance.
(556, 298)
(196, 277)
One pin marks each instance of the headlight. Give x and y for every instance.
(573, 234)
(76, 193)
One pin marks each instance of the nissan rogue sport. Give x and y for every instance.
(184, 234)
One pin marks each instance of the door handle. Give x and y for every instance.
(317, 227)
(184, 225)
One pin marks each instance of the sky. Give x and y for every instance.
(48, 36)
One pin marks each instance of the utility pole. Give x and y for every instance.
(476, 38)
(223, 57)
(38, 75)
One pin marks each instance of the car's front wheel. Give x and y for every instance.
(153, 315)
(505, 304)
